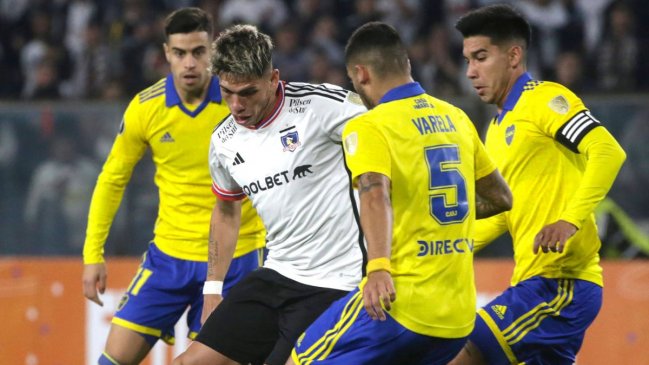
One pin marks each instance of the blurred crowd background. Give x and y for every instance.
(68, 68)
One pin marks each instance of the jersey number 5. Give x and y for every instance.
(447, 186)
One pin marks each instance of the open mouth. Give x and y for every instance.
(242, 119)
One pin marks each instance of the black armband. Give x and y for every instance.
(571, 133)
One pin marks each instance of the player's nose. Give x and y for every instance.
(237, 104)
(190, 62)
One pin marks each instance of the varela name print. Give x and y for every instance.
(433, 124)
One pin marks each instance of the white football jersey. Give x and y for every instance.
(291, 166)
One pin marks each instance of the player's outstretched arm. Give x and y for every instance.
(376, 220)
(224, 231)
(94, 281)
(604, 159)
(492, 195)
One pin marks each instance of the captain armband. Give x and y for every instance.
(575, 129)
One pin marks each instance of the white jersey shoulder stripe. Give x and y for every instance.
(320, 87)
(227, 194)
(314, 93)
(304, 85)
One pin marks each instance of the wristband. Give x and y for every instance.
(381, 263)
(213, 287)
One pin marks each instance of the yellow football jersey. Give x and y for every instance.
(179, 140)
(432, 154)
(534, 142)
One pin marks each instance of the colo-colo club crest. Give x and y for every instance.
(291, 141)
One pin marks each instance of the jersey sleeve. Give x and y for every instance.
(338, 111)
(366, 149)
(488, 229)
(128, 148)
(562, 115)
(223, 185)
(604, 160)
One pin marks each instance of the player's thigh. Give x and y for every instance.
(199, 354)
(239, 268)
(158, 295)
(559, 338)
(244, 327)
(303, 304)
(346, 334)
(469, 355)
(536, 318)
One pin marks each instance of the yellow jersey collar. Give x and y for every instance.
(514, 95)
(402, 92)
(172, 98)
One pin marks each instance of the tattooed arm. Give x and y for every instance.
(492, 195)
(376, 221)
(376, 213)
(224, 232)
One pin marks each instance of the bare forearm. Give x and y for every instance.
(486, 208)
(492, 196)
(376, 214)
(224, 232)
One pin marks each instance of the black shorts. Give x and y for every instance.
(262, 317)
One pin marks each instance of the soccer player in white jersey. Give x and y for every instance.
(281, 147)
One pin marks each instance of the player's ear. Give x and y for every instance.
(274, 78)
(165, 47)
(516, 55)
(362, 74)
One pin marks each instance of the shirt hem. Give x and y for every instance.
(590, 277)
(314, 282)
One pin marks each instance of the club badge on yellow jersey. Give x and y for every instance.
(509, 134)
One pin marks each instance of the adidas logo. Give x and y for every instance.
(238, 160)
(167, 138)
(499, 310)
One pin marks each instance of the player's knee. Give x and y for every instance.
(181, 360)
(106, 359)
(469, 355)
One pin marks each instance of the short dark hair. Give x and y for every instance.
(379, 45)
(188, 20)
(499, 22)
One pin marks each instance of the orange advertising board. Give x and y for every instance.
(46, 320)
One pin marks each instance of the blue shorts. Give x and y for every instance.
(538, 321)
(345, 334)
(164, 286)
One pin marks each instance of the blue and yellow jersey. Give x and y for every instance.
(432, 154)
(540, 143)
(179, 139)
